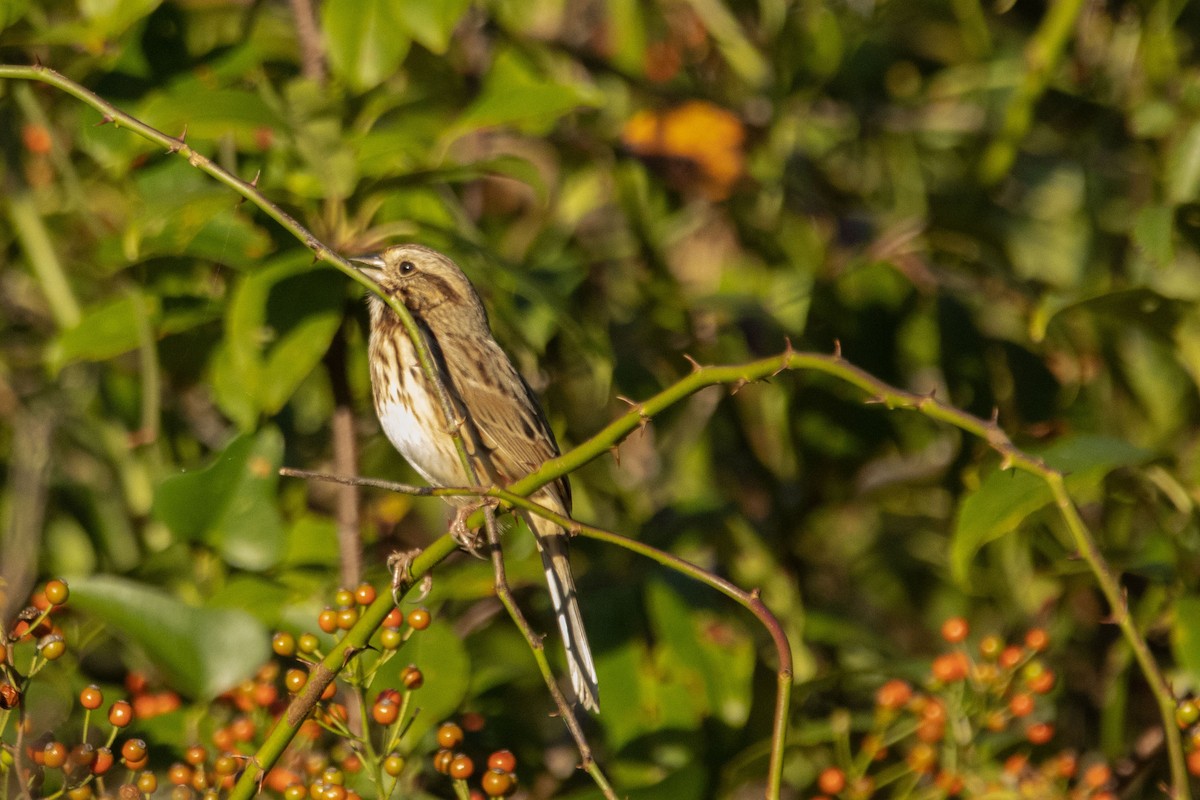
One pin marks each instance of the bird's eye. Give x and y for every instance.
(407, 267)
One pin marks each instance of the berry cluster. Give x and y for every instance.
(1187, 716)
(47, 763)
(968, 733)
(332, 758)
(500, 780)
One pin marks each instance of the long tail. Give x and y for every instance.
(552, 543)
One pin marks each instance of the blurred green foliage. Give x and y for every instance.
(999, 204)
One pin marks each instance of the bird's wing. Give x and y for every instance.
(507, 415)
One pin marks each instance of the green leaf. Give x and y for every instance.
(230, 505)
(432, 21)
(280, 323)
(201, 651)
(105, 331)
(367, 40)
(517, 95)
(1007, 497)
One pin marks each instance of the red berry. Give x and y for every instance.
(394, 619)
(103, 762)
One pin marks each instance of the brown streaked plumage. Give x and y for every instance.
(503, 428)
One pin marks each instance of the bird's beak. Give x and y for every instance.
(371, 266)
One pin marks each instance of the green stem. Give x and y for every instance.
(30, 230)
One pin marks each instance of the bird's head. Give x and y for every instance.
(428, 283)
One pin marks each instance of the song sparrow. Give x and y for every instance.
(501, 423)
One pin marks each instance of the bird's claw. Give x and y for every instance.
(400, 565)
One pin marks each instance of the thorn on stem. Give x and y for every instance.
(104, 120)
(785, 358)
(616, 454)
(737, 385)
(995, 419)
(837, 349)
(695, 364)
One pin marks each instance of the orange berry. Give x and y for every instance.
(195, 755)
(461, 767)
(147, 783)
(327, 620)
(831, 780)
(180, 774)
(394, 619)
(1193, 762)
(1015, 764)
(1041, 683)
(91, 697)
(419, 618)
(54, 754)
(364, 595)
(1096, 775)
(120, 714)
(502, 760)
(133, 750)
(955, 630)
(442, 759)
(385, 712)
(1011, 656)
(103, 762)
(1065, 764)
(893, 695)
(497, 783)
(1039, 732)
(1037, 640)
(1021, 705)
(950, 667)
(411, 677)
(449, 735)
(56, 592)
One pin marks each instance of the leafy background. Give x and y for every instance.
(996, 203)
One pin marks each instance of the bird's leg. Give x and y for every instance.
(469, 540)
(400, 565)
